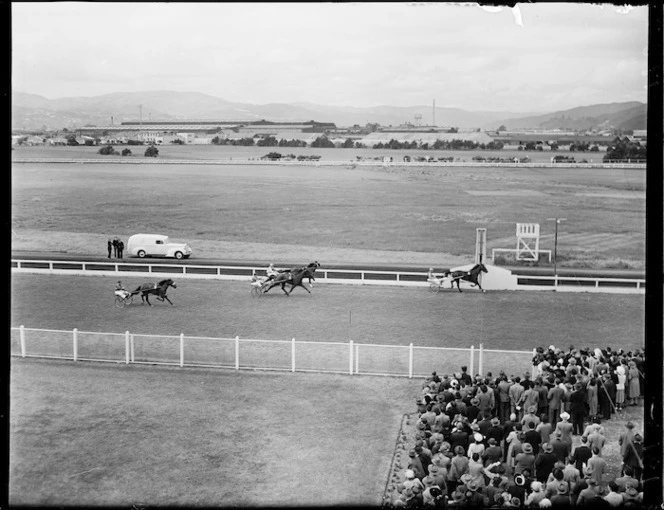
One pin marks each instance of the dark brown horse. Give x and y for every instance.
(159, 289)
(471, 276)
(294, 278)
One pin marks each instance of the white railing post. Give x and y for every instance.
(127, 351)
(293, 355)
(350, 359)
(181, 349)
(481, 360)
(410, 361)
(357, 358)
(237, 353)
(75, 346)
(131, 345)
(472, 361)
(21, 331)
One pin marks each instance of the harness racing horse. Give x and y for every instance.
(471, 276)
(294, 278)
(159, 289)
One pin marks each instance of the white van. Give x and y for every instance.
(155, 245)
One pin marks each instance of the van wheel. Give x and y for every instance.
(178, 255)
(141, 254)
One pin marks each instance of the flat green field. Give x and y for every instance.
(431, 211)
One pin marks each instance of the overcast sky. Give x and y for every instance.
(534, 57)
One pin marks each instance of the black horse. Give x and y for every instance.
(471, 276)
(294, 278)
(159, 289)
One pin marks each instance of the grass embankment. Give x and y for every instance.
(87, 434)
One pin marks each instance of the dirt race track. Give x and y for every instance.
(513, 320)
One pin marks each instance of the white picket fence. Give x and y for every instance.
(350, 358)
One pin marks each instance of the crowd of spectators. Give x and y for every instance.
(530, 441)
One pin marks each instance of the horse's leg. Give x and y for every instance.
(283, 287)
(166, 298)
(147, 298)
(459, 285)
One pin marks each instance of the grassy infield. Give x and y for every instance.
(263, 438)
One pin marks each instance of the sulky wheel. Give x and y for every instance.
(256, 291)
(434, 287)
(119, 302)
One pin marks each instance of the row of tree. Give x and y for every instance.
(109, 150)
(626, 149)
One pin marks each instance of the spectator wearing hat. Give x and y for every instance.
(606, 397)
(477, 446)
(517, 488)
(577, 408)
(514, 441)
(632, 498)
(495, 430)
(508, 427)
(565, 427)
(525, 459)
(613, 497)
(633, 456)
(486, 399)
(555, 398)
(415, 465)
(561, 498)
(533, 437)
(542, 393)
(459, 437)
(474, 497)
(458, 500)
(473, 409)
(529, 398)
(536, 494)
(591, 397)
(493, 452)
(581, 453)
(443, 457)
(597, 465)
(424, 454)
(626, 437)
(561, 449)
(504, 398)
(434, 497)
(544, 463)
(596, 439)
(458, 468)
(484, 424)
(438, 476)
(633, 386)
(544, 428)
(530, 416)
(555, 479)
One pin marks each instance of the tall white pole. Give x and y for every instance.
(22, 337)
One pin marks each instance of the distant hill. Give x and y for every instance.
(32, 112)
(631, 115)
